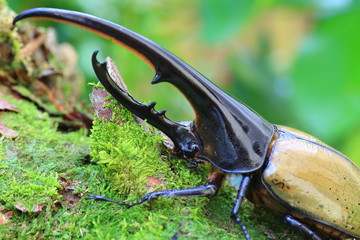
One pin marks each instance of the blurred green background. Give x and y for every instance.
(295, 62)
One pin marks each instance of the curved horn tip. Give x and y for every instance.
(26, 14)
(16, 19)
(95, 53)
(94, 58)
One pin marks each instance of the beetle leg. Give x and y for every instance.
(301, 227)
(207, 190)
(240, 197)
(193, 164)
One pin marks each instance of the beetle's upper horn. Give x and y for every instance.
(168, 67)
(232, 136)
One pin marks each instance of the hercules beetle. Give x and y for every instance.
(293, 174)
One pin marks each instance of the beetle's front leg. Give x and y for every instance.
(208, 190)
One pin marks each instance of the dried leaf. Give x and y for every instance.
(70, 199)
(9, 214)
(25, 93)
(19, 207)
(98, 95)
(5, 105)
(153, 182)
(38, 208)
(74, 120)
(7, 132)
(33, 45)
(5, 216)
(269, 234)
(3, 219)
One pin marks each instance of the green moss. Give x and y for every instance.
(31, 167)
(31, 163)
(2, 152)
(126, 152)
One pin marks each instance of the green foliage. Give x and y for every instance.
(222, 19)
(326, 72)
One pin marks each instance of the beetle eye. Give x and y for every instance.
(191, 150)
(194, 148)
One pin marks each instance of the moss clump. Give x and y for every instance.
(129, 154)
(135, 159)
(43, 174)
(31, 163)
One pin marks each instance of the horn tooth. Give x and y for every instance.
(158, 78)
(152, 104)
(162, 112)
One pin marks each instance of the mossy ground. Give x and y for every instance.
(35, 163)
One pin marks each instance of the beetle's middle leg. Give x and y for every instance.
(208, 190)
(240, 197)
